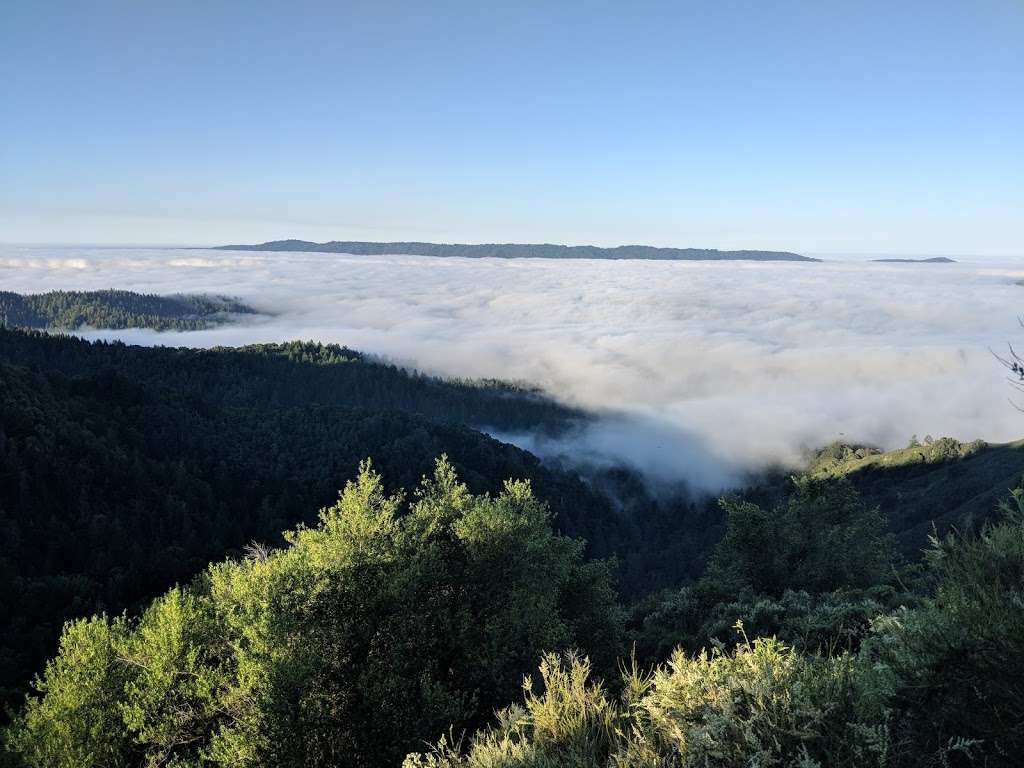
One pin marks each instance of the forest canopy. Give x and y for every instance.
(392, 621)
(377, 630)
(71, 310)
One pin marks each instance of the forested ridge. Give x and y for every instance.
(931, 484)
(115, 487)
(388, 622)
(295, 373)
(519, 251)
(126, 469)
(70, 310)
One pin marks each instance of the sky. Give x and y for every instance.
(816, 127)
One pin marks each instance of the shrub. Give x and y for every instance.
(762, 704)
(368, 634)
(958, 661)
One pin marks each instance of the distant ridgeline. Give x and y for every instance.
(932, 260)
(518, 251)
(69, 310)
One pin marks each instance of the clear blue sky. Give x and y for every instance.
(814, 126)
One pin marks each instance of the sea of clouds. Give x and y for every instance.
(702, 371)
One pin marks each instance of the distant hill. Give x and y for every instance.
(69, 310)
(941, 483)
(517, 250)
(932, 260)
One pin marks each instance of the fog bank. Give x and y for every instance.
(704, 369)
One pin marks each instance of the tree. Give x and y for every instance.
(822, 539)
(76, 721)
(370, 633)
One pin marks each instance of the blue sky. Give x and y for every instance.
(811, 126)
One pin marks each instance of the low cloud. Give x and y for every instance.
(703, 370)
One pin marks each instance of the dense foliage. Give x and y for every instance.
(762, 704)
(126, 469)
(822, 538)
(938, 684)
(115, 309)
(958, 661)
(393, 622)
(294, 374)
(970, 478)
(814, 570)
(384, 627)
(369, 633)
(111, 490)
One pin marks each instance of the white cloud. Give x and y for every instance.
(708, 368)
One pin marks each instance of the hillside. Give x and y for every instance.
(115, 489)
(295, 374)
(391, 627)
(940, 482)
(517, 251)
(368, 630)
(70, 310)
(126, 469)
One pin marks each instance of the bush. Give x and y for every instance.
(763, 704)
(367, 635)
(833, 621)
(958, 661)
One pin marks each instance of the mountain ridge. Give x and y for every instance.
(931, 260)
(516, 250)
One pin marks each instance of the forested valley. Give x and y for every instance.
(294, 554)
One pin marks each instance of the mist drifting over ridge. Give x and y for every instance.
(702, 370)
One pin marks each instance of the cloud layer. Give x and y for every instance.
(705, 369)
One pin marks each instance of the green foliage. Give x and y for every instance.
(77, 722)
(822, 539)
(393, 620)
(938, 484)
(116, 309)
(369, 633)
(573, 722)
(958, 661)
(292, 374)
(829, 621)
(813, 572)
(763, 704)
(122, 480)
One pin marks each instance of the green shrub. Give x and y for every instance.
(366, 636)
(763, 704)
(958, 661)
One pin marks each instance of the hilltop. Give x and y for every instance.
(518, 250)
(932, 260)
(71, 310)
